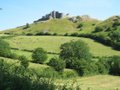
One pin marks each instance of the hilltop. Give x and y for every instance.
(58, 23)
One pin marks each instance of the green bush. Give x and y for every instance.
(69, 74)
(98, 29)
(77, 49)
(24, 62)
(26, 26)
(80, 25)
(55, 34)
(103, 66)
(13, 56)
(74, 34)
(57, 63)
(66, 34)
(115, 65)
(39, 55)
(4, 49)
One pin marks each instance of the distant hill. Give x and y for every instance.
(108, 32)
(81, 24)
(111, 24)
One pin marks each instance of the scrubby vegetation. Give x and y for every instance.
(39, 55)
(57, 63)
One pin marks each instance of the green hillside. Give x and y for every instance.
(110, 24)
(58, 26)
(52, 44)
(108, 32)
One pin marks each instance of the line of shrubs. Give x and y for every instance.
(42, 33)
(98, 38)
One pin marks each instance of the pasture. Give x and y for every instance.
(52, 44)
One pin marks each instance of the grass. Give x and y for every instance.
(98, 49)
(98, 82)
(53, 43)
(49, 43)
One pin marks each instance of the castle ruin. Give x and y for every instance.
(53, 15)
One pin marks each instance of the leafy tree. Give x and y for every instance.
(115, 65)
(103, 66)
(24, 62)
(77, 49)
(98, 29)
(82, 67)
(39, 55)
(80, 25)
(27, 26)
(115, 36)
(4, 49)
(58, 64)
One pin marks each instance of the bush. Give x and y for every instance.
(74, 34)
(49, 72)
(24, 62)
(5, 50)
(40, 33)
(13, 56)
(43, 33)
(82, 67)
(77, 49)
(69, 74)
(115, 65)
(26, 26)
(58, 64)
(80, 25)
(103, 66)
(115, 36)
(29, 34)
(70, 62)
(66, 34)
(39, 55)
(98, 29)
(55, 34)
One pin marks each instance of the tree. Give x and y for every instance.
(4, 49)
(77, 49)
(26, 26)
(98, 29)
(39, 55)
(24, 62)
(115, 36)
(115, 65)
(58, 64)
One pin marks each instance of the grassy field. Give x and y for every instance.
(98, 82)
(49, 43)
(53, 43)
